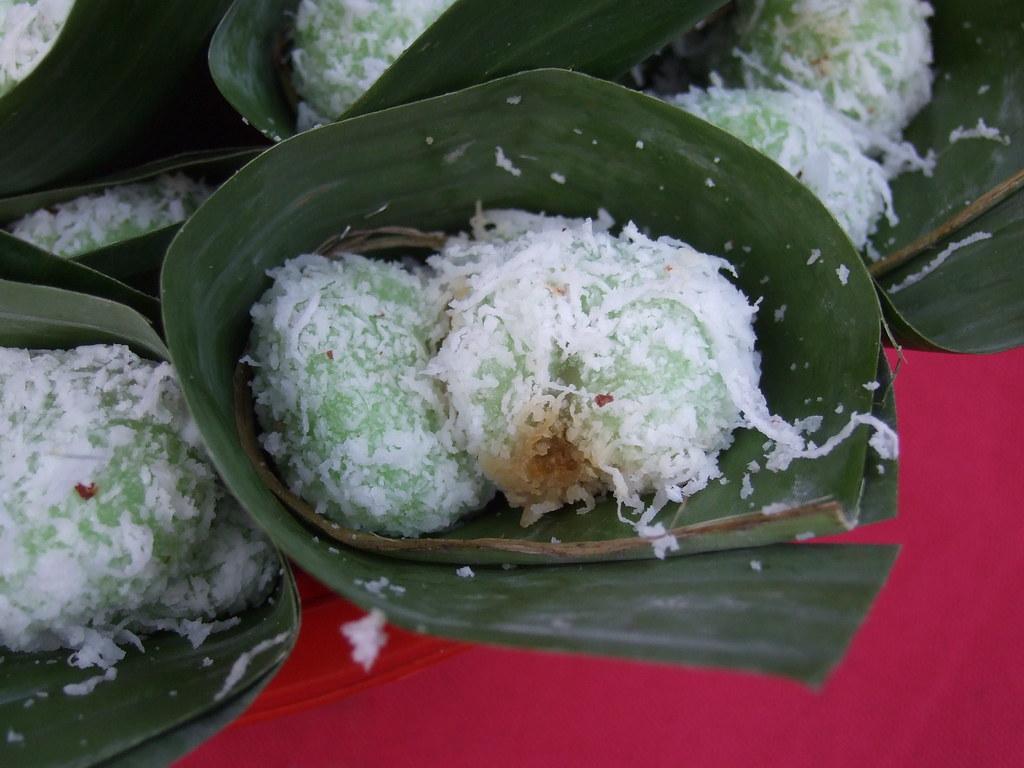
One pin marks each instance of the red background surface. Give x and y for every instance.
(934, 678)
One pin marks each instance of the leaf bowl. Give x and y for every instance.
(162, 702)
(427, 165)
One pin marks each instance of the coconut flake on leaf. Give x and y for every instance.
(117, 213)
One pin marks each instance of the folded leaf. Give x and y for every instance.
(491, 37)
(953, 271)
(136, 261)
(111, 70)
(161, 702)
(579, 144)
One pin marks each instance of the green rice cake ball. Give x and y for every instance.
(580, 362)
(28, 30)
(341, 48)
(117, 213)
(799, 132)
(657, 381)
(870, 59)
(356, 427)
(111, 518)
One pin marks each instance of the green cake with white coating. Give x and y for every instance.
(357, 429)
(112, 521)
(341, 48)
(540, 355)
(113, 215)
(28, 30)
(870, 59)
(581, 363)
(803, 135)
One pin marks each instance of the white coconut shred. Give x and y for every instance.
(27, 33)
(979, 131)
(343, 46)
(112, 215)
(367, 637)
(800, 132)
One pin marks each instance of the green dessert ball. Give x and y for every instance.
(870, 59)
(117, 213)
(802, 134)
(28, 30)
(112, 520)
(356, 428)
(580, 363)
(341, 48)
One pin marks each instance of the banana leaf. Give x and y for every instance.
(24, 262)
(879, 492)
(136, 261)
(45, 317)
(426, 165)
(492, 37)
(168, 699)
(953, 270)
(109, 73)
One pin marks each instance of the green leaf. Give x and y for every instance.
(167, 747)
(879, 492)
(794, 617)
(163, 701)
(43, 317)
(108, 74)
(492, 37)
(969, 299)
(213, 164)
(245, 59)
(26, 263)
(135, 716)
(136, 261)
(427, 165)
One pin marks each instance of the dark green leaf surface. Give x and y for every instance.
(168, 699)
(244, 62)
(135, 262)
(107, 75)
(154, 694)
(500, 37)
(26, 263)
(794, 617)
(427, 165)
(474, 41)
(168, 746)
(43, 317)
(973, 299)
(878, 494)
(214, 165)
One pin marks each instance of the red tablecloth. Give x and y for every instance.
(935, 677)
